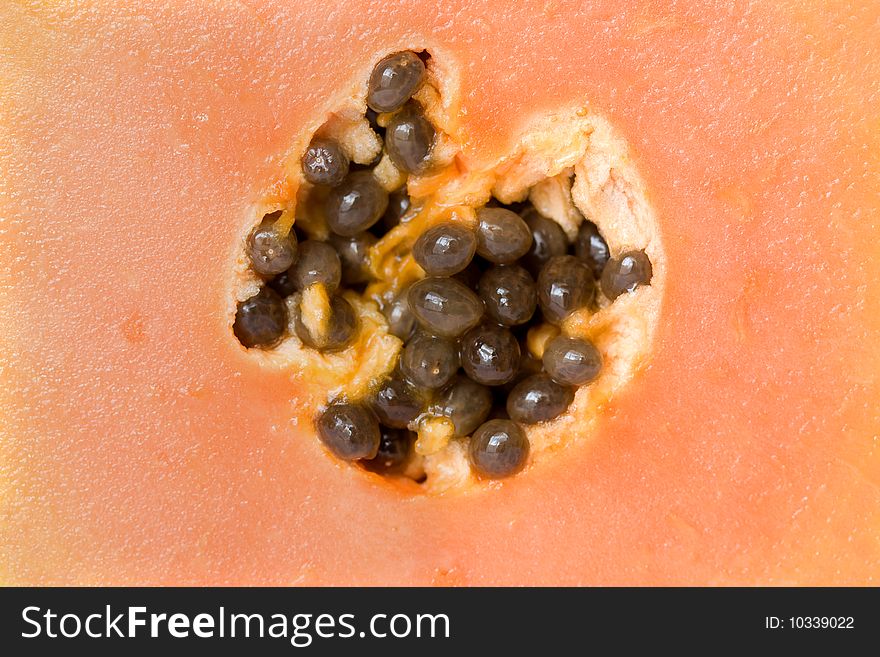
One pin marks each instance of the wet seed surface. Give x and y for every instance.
(409, 138)
(485, 352)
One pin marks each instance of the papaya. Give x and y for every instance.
(151, 436)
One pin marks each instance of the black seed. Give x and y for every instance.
(502, 236)
(572, 361)
(625, 273)
(341, 328)
(591, 247)
(398, 205)
(397, 403)
(324, 163)
(283, 284)
(356, 204)
(445, 249)
(394, 80)
(401, 321)
(271, 253)
(548, 240)
(350, 431)
(444, 306)
(509, 294)
(260, 320)
(565, 284)
(354, 253)
(466, 403)
(429, 361)
(318, 262)
(409, 139)
(499, 448)
(394, 449)
(490, 355)
(538, 398)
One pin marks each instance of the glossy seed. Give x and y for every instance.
(509, 294)
(502, 236)
(429, 361)
(625, 273)
(445, 249)
(394, 80)
(324, 163)
(409, 139)
(538, 398)
(396, 402)
(270, 252)
(350, 431)
(398, 205)
(548, 240)
(356, 204)
(400, 318)
(499, 448)
(394, 449)
(318, 262)
(591, 247)
(260, 320)
(490, 355)
(571, 361)
(444, 306)
(340, 329)
(354, 254)
(466, 403)
(565, 284)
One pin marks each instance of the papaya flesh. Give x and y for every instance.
(139, 446)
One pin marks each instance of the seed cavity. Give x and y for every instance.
(469, 321)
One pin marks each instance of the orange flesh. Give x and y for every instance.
(139, 446)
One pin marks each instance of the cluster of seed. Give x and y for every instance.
(482, 344)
